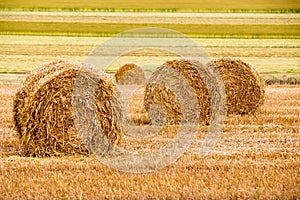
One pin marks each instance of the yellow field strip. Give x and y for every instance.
(154, 18)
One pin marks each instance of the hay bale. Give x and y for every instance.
(31, 83)
(163, 96)
(244, 86)
(46, 127)
(130, 74)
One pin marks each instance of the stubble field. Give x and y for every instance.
(256, 157)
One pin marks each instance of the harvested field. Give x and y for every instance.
(137, 111)
(258, 150)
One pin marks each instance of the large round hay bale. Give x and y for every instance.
(130, 74)
(44, 120)
(30, 84)
(161, 95)
(244, 86)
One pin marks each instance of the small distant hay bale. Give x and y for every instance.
(244, 87)
(130, 74)
(157, 94)
(43, 110)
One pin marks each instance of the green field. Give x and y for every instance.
(100, 29)
(155, 5)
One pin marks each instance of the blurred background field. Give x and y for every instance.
(263, 33)
(276, 59)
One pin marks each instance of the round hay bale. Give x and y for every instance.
(46, 127)
(244, 86)
(30, 84)
(163, 96)
(130, 74)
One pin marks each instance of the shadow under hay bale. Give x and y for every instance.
(244, 87)
(44, 119)
(130, 74)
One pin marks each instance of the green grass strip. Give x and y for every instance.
(108, 29)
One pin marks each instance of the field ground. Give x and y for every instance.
(257, 157)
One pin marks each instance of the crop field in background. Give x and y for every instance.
(240, 25)
(152, 18)
(257, 156)
(274, 58)
(109, 29)
(268, 41)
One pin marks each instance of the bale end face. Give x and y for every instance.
(244, 86)
(43, 114)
